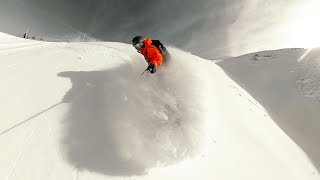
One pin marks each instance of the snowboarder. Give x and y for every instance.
(153, 51)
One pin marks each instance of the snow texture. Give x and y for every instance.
(83, 111)
(286, 82)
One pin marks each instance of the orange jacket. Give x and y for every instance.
(151, 53)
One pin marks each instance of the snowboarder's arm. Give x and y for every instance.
(154, 57)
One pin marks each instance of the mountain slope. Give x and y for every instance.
(83, 111)
(286, 83)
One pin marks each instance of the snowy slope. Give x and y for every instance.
(287, 83)
(83, 111)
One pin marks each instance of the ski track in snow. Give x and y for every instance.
(106, 121)
(22, 151)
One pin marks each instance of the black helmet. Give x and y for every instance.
(137, 39)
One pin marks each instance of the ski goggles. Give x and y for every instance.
(139, 45)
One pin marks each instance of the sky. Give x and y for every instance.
(211, 29)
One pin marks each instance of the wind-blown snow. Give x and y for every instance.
(309, 74)
(83, 111)
(156, 119)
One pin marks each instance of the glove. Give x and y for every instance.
(151, 68)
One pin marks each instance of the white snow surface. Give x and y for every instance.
(83, 111)
(287, 83)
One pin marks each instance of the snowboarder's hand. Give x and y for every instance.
(152, 68)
